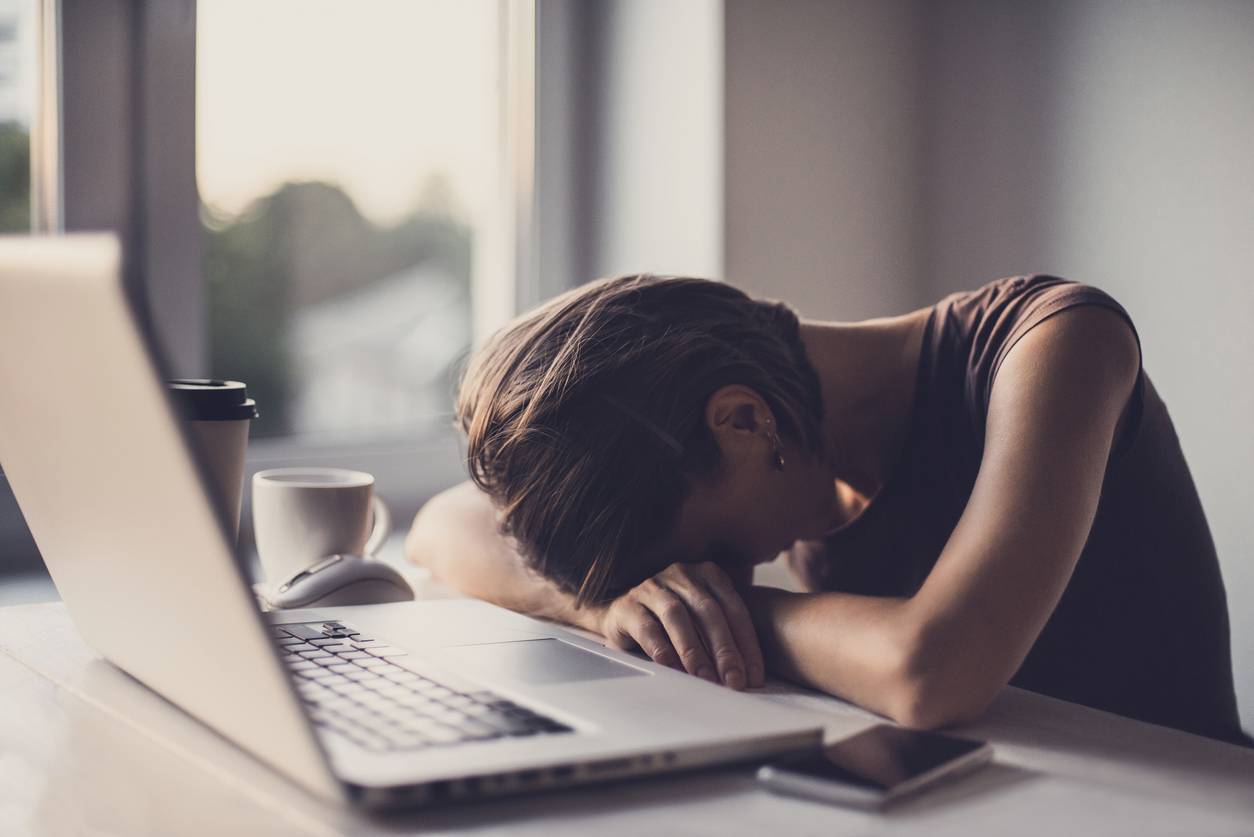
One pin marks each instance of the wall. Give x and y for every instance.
(650, 143)
(1156, 203)
(881, 155)
(821, 130)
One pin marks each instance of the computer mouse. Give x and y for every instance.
(342, 580)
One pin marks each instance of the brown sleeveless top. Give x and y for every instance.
(1142, 628)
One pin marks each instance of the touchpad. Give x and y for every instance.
(539, 662)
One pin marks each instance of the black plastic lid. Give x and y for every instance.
(204, 399)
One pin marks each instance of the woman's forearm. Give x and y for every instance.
(455, 537)
(855, 647)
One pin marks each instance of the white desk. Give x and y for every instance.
(73, 761)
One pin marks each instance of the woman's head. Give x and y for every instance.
(633, 418)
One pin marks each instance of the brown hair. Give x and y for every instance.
(585, 417)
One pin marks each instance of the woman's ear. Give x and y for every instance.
(736, 415)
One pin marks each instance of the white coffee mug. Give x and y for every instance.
(303, 515)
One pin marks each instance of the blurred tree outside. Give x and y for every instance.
(14, 178)
(302, 245)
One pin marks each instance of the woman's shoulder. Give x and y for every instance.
(1022, 297)
(974, 331)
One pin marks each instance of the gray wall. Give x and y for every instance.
(636, 183)
(880, 155)
(820, 162)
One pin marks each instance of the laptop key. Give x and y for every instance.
(368, 719)
(341, 729)
(326, 671)
(341, 634)
(439, 734)
(425, 687)
(314, 673)
(391, 672)
(303, 631)
(314, 654)
(393, 690)
(369, 698)
(401, 675)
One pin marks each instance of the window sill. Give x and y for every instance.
(408, 468)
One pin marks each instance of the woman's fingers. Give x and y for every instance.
(712, 623)
(638, 628)
(740, 623)
(690, 616)
(684, 637)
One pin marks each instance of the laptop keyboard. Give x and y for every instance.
(353, 688)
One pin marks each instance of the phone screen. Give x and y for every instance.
(882, 757)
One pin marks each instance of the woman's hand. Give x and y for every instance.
(690, 617)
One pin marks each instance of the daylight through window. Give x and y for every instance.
(347, 161)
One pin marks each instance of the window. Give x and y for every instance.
(17, 96)
(17, 91)
(364, 176)
(348, 161)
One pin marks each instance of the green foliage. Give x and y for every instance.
(247, 280)
(14, 178)
(302, 244)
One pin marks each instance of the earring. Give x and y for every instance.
(777, 447)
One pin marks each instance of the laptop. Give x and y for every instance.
(382, 705)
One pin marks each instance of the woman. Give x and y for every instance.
(982, 492)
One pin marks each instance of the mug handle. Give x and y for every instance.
(380, 528)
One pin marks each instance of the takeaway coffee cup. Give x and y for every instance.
(303, 515)
(217, 414)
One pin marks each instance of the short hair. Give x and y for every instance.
(585, 418)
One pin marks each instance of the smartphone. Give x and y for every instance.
(874, 767)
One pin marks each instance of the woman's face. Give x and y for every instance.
(750, 511)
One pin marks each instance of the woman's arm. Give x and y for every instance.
(689, 616)
(942, 655)
(455, 536)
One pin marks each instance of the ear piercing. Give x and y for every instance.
(777, 446)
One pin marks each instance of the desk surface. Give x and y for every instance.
(73, 760)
